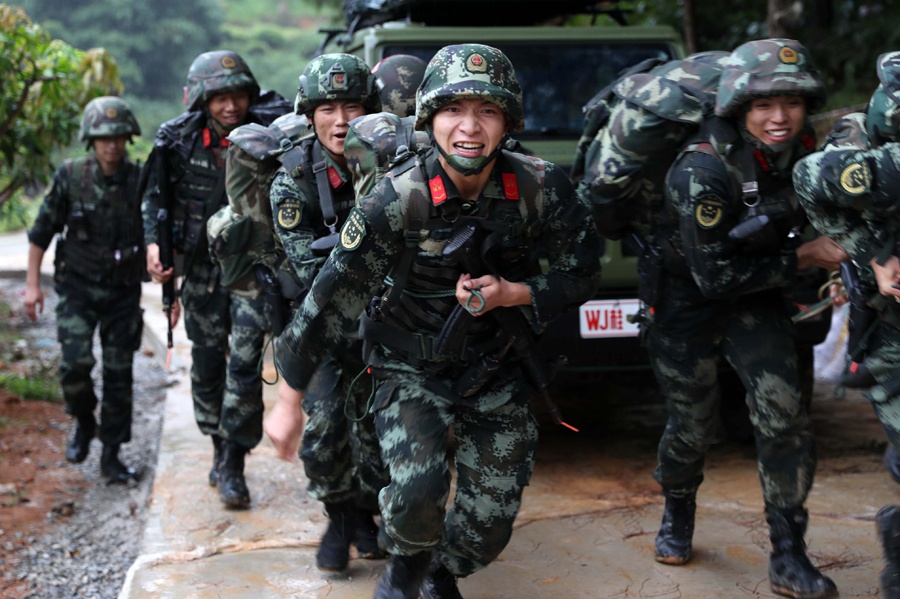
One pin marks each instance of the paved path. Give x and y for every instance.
(586, 528)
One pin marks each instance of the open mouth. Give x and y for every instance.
(465, 148)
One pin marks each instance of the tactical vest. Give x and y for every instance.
(193, 202)
(761, 190)
(104, 239)
(409, 317)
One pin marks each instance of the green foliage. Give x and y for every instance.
(30, 388)
(154, 42)
(40, 380)
(44, 84)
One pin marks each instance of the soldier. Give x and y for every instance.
(340, 451)
(417, 227)
(397, 78)
(848, 191)
(93, 203)
(729, 252)
(227, 331)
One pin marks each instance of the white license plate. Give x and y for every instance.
(608, 318)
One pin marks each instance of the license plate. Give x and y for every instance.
(608, 318)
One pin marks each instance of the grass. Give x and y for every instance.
(29, 388)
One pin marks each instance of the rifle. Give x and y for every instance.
(861, 315)
(465, 246)
(165, 239)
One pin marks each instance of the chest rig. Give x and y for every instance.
(201, 190)
(103, 240)
(411, 316)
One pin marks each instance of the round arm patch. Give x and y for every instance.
(709, 212)
(353, 231)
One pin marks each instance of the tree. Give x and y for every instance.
(44, 85)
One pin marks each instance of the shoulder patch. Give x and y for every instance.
(710, 210)
(289, 212)
(353, 231)
(856, 178)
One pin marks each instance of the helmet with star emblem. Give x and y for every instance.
(107, 116)
(470, 71)
(218, 72)
(766, 68)
(883, 112)
(336, 77)
(397, 78)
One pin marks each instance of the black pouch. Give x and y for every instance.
(195, 224)
(649, 275)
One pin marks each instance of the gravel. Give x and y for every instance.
(88, 553)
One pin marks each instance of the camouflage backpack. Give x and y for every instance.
(241, 233)
(633, 131)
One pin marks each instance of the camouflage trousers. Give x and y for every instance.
(340, 451)
(82, 308)
(757, 341)
(882, 360)
(492, 448)
(228, 334)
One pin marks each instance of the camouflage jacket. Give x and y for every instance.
(297, 211)
(705, 203)
(849, 193)
(375, 236)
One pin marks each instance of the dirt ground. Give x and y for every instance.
(37, 487)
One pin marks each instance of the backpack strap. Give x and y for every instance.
(326, 198)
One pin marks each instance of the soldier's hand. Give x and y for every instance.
(284, 422)
(888, 277)
(821, 252)
(34, 301)
(483, 294)
(155, 267)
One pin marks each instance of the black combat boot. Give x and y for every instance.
(402, 578)
(365, 538)
(439, 582)
(111, 467)
(232, 487)
(217, 460)
(676, 533)
(790, 572)
(80, 443)
(334, 549)
(887, 522)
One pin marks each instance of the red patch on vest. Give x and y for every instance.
(510, 187)
(808, 141)
(334, 178)
(761, 160)
(207, 138)
(438, 191)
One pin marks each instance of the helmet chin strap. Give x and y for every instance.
(468, 166)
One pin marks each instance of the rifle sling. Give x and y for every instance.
(326, 199)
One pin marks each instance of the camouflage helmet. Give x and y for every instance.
(218, 72)
(765, 68)
(336, 77)
(883, 112)
(107, 116)
(470, 71)
(398, 77)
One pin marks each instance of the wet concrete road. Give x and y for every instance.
(586, 528)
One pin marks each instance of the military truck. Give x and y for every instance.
(560, 68)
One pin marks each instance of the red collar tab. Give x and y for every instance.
(438, 191)
(808, 141)
(510, 187)
(334, 178)
(761, 160)
(207, 139)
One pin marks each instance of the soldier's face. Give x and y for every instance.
(229, 110)
(109, 152)
(332, 121)
(469, 127)
(776, 120)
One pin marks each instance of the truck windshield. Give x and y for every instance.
(558, 79)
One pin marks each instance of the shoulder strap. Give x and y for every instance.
(326, 199)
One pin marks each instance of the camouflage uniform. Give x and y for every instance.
(99, 267)
(718, 298)
(849, 192)
(415, 405)
(227, 331)
(335, 472)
